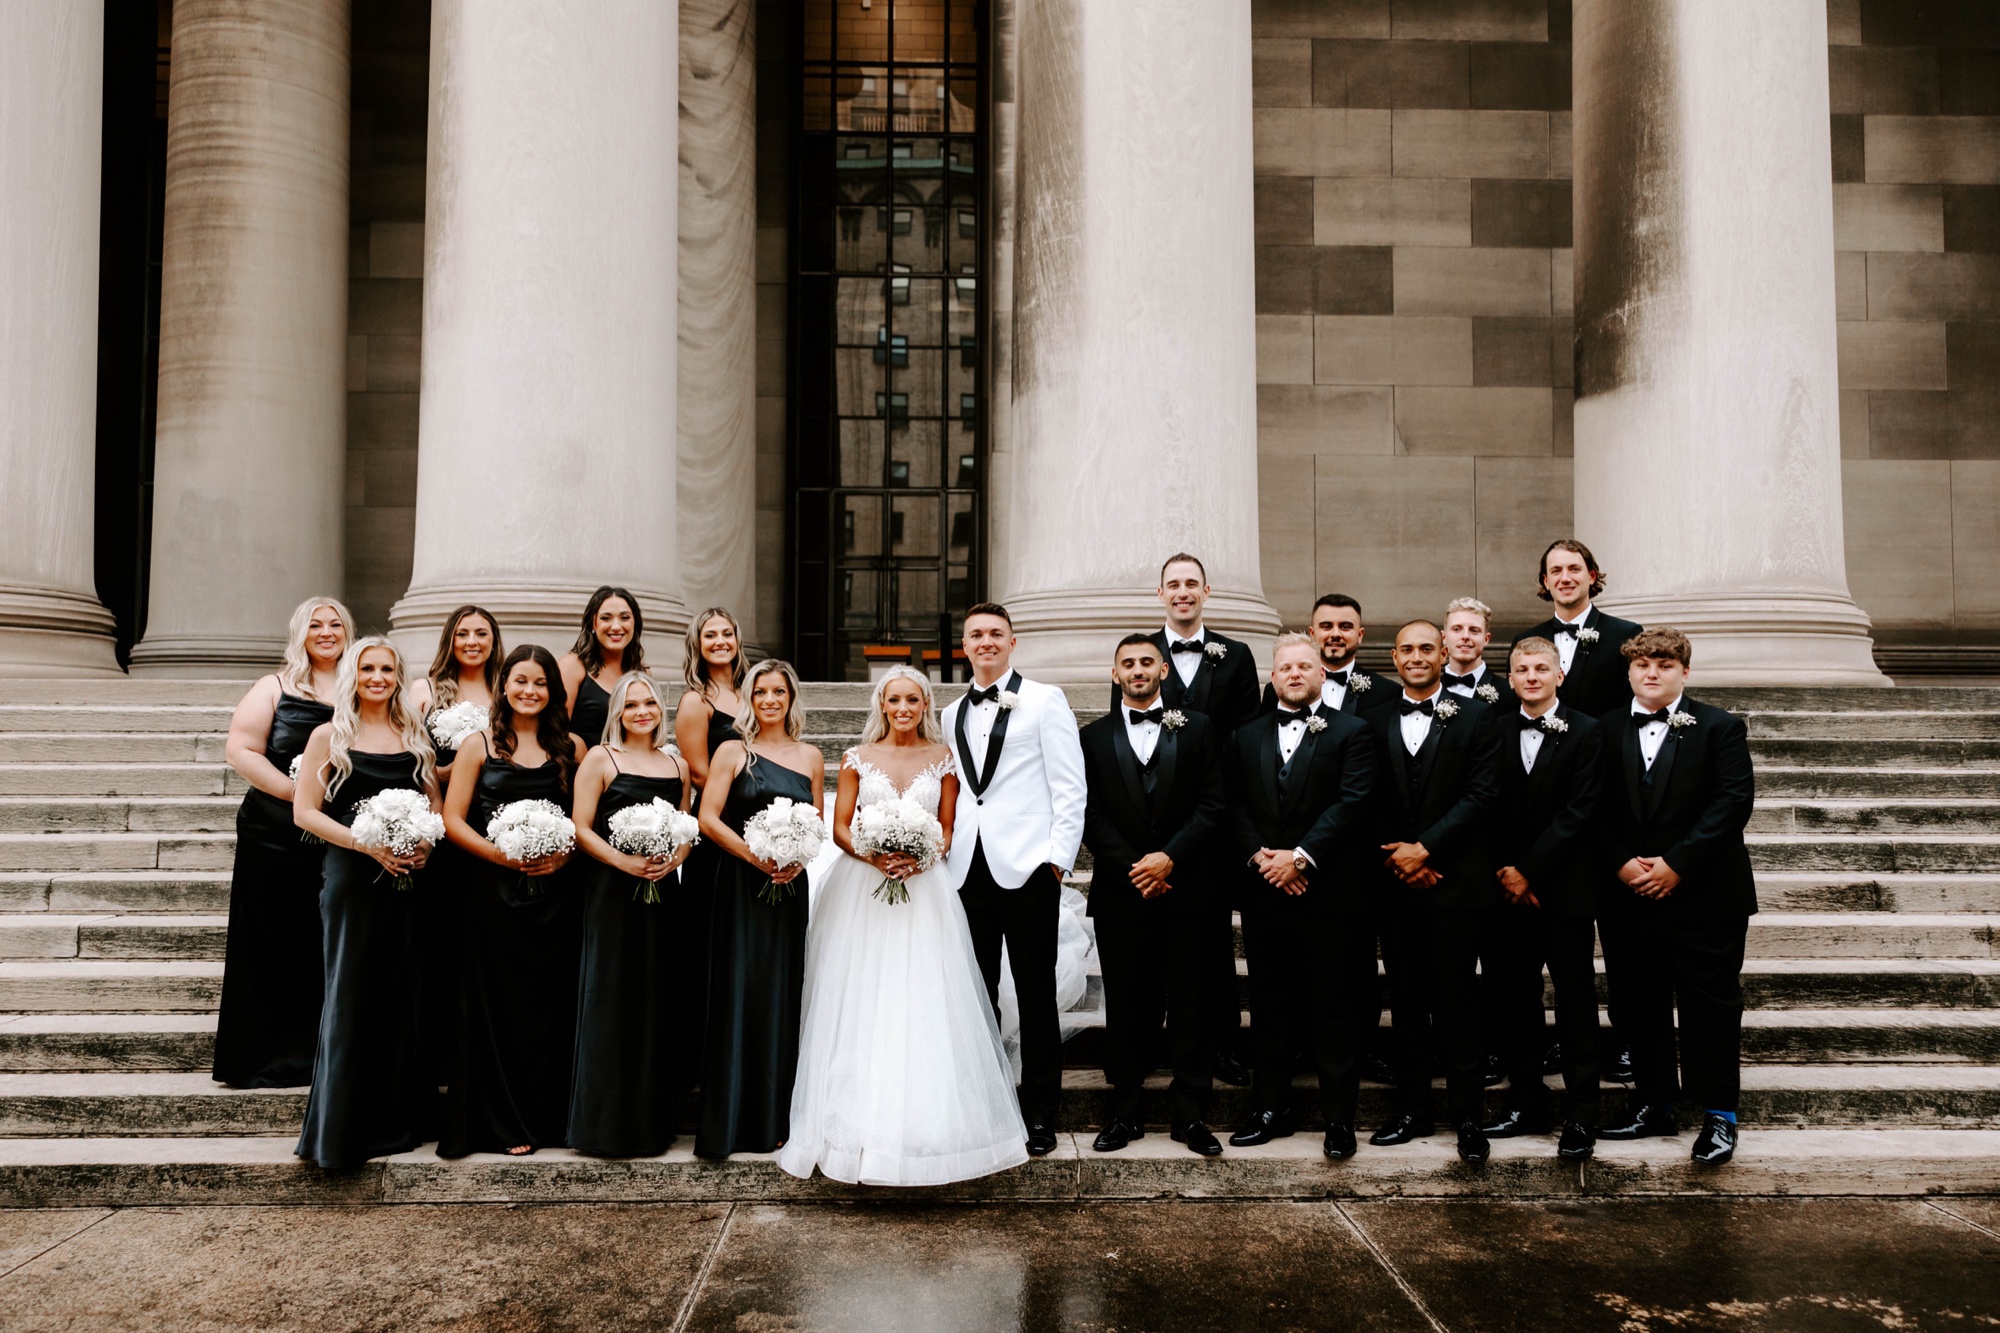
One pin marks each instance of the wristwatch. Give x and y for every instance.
(1299, 862)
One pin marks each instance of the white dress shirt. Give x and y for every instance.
(979, 720)
(1531, 742)
(1566, 636)
(1478, 679)
(1185, 664)
(1291, 730)
(1143, 735)
(1653, 734)
(1416, 726)
(1333, 690)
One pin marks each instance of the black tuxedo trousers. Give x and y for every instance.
(1313, 990)
(1521, 939)
(1025, 920)
(1432, 961)
(1657, 964)
(1151, 959)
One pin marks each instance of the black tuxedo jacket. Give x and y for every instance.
(1444, 799)
(1323, 810)
(1692, 813)
(1596, 682)
(1545, 822)
(1358, 703)
(1504, 699)
(1224, 689)
(1121, 823)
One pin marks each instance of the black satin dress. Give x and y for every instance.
(692, 910)
(516, 1044)
(268, 1022)
(756, 992)
(631, 1061)
(371, 1090)
(440, 911)
(591, 710)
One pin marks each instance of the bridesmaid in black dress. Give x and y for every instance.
(713, 669)
(268, 1022)
(609, 644)
(758, 963)
(465, 670)
(631, 1058)
(371, 1087)
(517, 1032)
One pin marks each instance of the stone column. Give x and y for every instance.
(251, 457)
(51, 119)
(718, 308)
(546, 436)
(1134, 429)
(1707, 394)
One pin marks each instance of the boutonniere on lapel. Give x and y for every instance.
(1553, 724)
(1586, 636)
(1174, 719)
(1359, 683)
(1215, 650)
(1315, 724)
(1489, 692)
(1677, 721)
(1446, 710)
(1008, 699)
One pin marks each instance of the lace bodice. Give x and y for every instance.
(927, 787)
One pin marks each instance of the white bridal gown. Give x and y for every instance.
(902, 1079)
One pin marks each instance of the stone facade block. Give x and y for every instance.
(1285, 210)
(1476, 281)
(1896, 521)
(396, 250)
(1975, 545)
(357, 363)
(1324, 280)
(1853, 423)
(388, 478)
(1891, 354)
(1933, 424)
(1471, 20)
(381, 421)
(395, 362)
(1850, 284)
(1320, 141)
(1468, 422)
(1396, 530)
(1323, 419)
(1471, 143)
(1285, 536)
(1520, 76)
(1935, 23)
(1850, 157)
(1961, 150)
(1281, 71)
(1925, 286)
(1883, 80)
(384, 305)
(1843, 22)
(1562, 352)
(1888, 217)
(1518, 504)
(1284, 349)
(1562, 422)
(1561, 127)
(1387, 211)
(1972, 355)
(1393, 350)
(1972, 218)
(1511, 351)
(1969, 82)
(1389, 74)
(1521, 213)
(1562, 283)
(1319, 18)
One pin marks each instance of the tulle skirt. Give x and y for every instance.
(902, 1079)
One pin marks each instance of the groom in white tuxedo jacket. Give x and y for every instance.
(1018, 827)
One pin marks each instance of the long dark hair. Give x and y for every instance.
(551, 725)
(590, 652)
(694, 667)
(444, 668)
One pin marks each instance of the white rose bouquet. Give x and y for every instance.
(451, 727)
(655, 830)
(398, 821)
(531, 830)
(785, 833)
(901, 825)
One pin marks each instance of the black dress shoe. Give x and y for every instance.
(1041, 1139)
(1618, 1069)
(1650, 1122)
(1516, 1124)
(1262, 1128)
(1494, 1072)
(1198, 1137)
(1576, 1141)
(1401, 1129)
(1115, 1135)
(1552, 1059)
(1374, 1069)
(1340, 1143)
(1716, 1143)
(1228, 1069)
(1472, 1145)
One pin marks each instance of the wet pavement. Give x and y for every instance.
(1632, 1266)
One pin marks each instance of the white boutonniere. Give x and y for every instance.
(1586, 636)
(1488, 692)
(1218, 651)
(1679, 720)
(1174, 719)
(1008, 699)
(1446, 710)
(1359, 683)
(1550, 722)
(293, 771)
(1315, 724)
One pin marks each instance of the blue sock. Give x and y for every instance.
(1730, 1116)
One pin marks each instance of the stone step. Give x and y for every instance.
(104, 986)
(1891, 818)
(1813, 699)
(126, 692)
(1912, 853)
(1794, 782)
(52, 852)
(96, 814)
(149, 892)
(1873, 935)
(116, 719)
(116, 779)
(1844, 752)
(1830, 891)
(52, 935)
(1888, 724)
(67, 747)
(73, 1042)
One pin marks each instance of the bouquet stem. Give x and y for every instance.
(774, 892)
(645, 890)
(892, 890)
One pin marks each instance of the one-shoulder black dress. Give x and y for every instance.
(631, 1060)
(268, 1022)
(692, 909)
(517, 1008)
(589, 711)
(757, 972)
(371, 1090)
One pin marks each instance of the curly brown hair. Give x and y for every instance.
(1574, 547)
(1659, 641)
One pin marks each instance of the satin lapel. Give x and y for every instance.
(1351, 701)
(1635, 771)
(1196, 693)
(980, 779)
(964, 746)
(1590, 619)
(1663, 768)
(1267, 768)
(1545, 760)
(1301, 761)
(1128, 763)
(1399, 757)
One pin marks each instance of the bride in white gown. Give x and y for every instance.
(902, 1079)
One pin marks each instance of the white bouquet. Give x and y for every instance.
(399, 821)
(293, 771)
(450, 727)
(656, 829)
(785, 833)
(531, 830)
(901, 825)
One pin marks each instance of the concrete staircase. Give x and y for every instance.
(1872, 1042)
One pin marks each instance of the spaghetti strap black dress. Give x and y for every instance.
(268, 1021)
(511, 1070)
(756, 990)
(440, 909)
(592, 711)
(691, 910)
(371, 1090)
(631, 1061)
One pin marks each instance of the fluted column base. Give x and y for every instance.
(208, 656)
(45, 632)
(546, 613)
(1067, 636)
(1765, 638)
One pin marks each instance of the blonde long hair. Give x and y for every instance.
(877, 725)
(347, 719)
(295, 674)
(795, 713)
(615, 734)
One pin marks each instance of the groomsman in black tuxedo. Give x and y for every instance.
(1215, 675)
(1300, 780)
(1336, 627)
(1154, 778)
(1678, 793)
(1468, 629)
(1593, 671)
(1551, 773)
(1439, 761)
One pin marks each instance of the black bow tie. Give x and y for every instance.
(991, 694)
(1428, 707)
(1648, 719)
(1531, 723)
(1291, 716)
(1152, 715)
(1341, 678)
(1469, 680)
(1187, 645)
(1568, 630)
